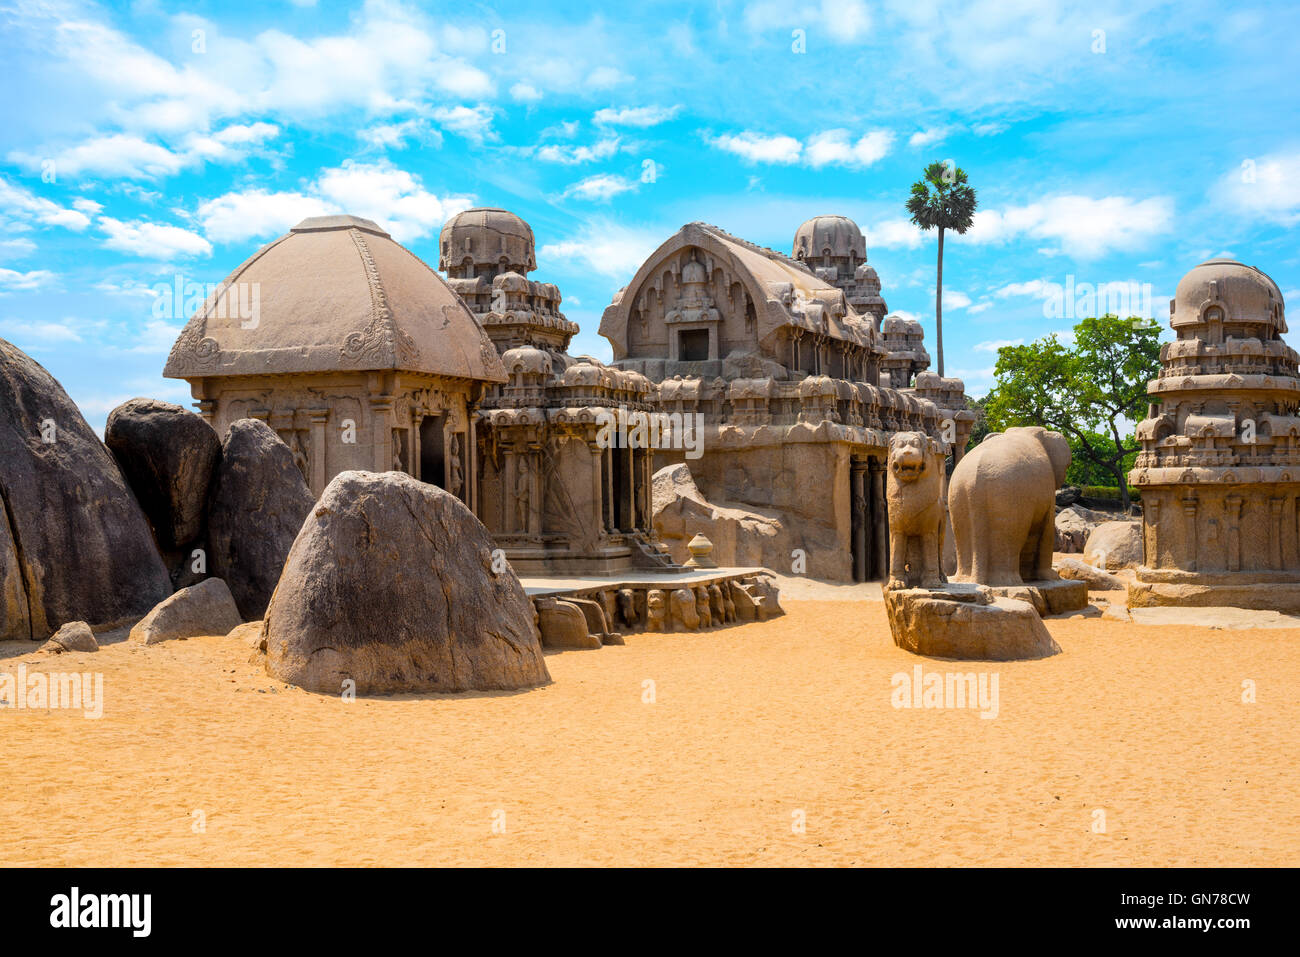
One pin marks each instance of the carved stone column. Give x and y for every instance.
(1275, 506)
(381, 431)
(319, 420)
(1189, 532)
(858, 506)
(879, 520)
(1234, 532)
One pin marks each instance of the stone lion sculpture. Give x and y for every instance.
(1002, 497)
(914, 494)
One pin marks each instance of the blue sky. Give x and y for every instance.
(1111, 143)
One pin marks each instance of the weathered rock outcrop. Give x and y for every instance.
(1076, 569)
(258, 504)
(203, 609)
(74, 542)
(966, 622)
(1115, 545)
(390, 584)
(739, 536)
(168, 455)
(74, 636)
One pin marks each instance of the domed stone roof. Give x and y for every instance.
(1242, 293)
(839, 234)
(486, 237)
(527, 359)
(335, 293)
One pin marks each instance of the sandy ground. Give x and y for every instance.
(751, 730)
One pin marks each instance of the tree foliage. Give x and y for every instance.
(1092, 391)
(942, 199)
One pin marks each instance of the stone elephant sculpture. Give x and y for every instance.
(1002, 499)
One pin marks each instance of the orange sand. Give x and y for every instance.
(751, 725)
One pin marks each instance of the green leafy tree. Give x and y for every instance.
(1091, 392)
(942, 199)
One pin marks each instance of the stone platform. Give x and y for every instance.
(1047, 597)
(591, 611)
(966, 622)
(1209, 590)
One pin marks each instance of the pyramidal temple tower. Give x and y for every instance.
(1219, 469)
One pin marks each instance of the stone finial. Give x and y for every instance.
(701, 550)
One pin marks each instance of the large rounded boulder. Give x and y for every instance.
(391, 585)
(74, 542)
(258, 503)
(168, 455)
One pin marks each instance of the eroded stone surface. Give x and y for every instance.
(390, 584)
(207, 608)
(966, 622)
(259, 502)
(75, 545)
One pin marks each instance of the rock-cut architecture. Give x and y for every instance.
(558, 498)
(354, 351)
(1219, 469)
(783, 357)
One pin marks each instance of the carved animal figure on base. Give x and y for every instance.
(1002, 496)
(914, 494)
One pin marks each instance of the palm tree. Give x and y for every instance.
(942, 198)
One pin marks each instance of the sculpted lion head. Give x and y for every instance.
(907, 455)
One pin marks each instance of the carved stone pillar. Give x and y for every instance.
(1151, 540)
(1234, 532)
(879, 520)
(1275, 506)
(1189, 532)
(508, 491)
(597, 488)
(858, 507)
(319, 420)
(381, 431)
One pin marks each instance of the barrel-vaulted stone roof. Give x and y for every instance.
(336, 293)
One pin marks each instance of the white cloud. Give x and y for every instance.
(981, 306)
(16, 248)
(1267, 188)
(602, 187)
(638, 116)
(24, 206)
(395, 135)
(257, 213)
(574, 155)
(128, 156)
(926, 137)
(152, 240)
(525, 93)
(603, 247)
(758, 148)
(120, 154)
(392, 197)
(472, 122)
(832, 21)
(993, 345)
(39, 331)
(604, 77)
(230, 143)
(893, 234)
(1079, 225)
(13, 281)
(829, 147)
(954, 299)
(834, 147)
